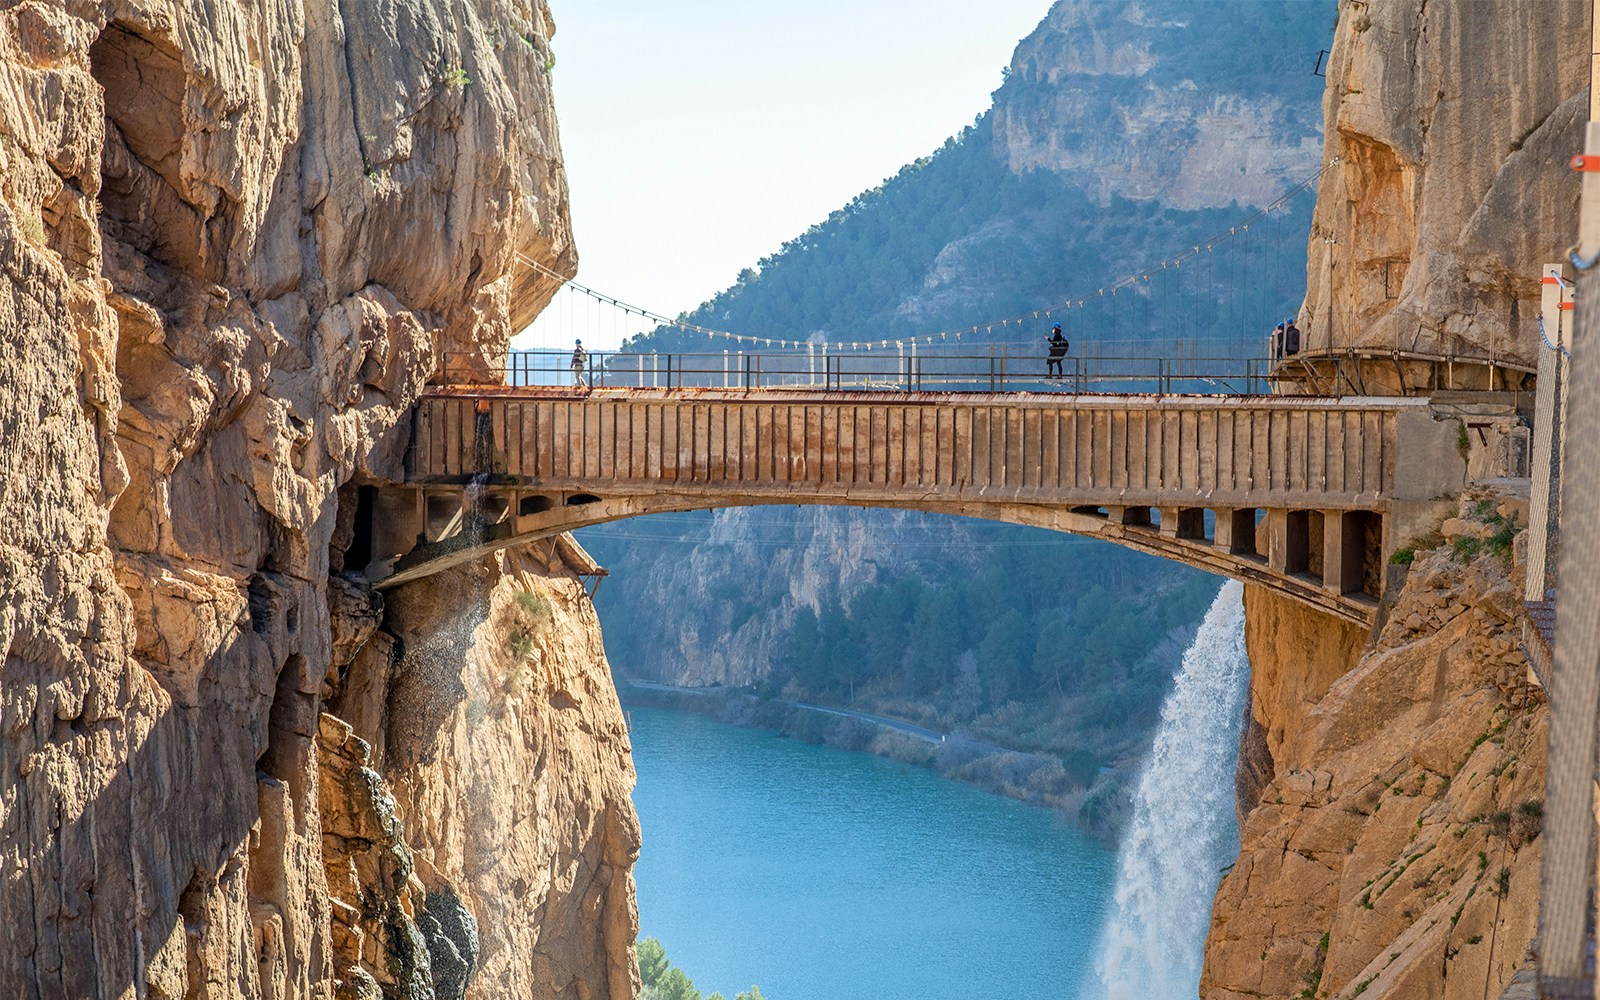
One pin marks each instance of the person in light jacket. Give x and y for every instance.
(580, 361)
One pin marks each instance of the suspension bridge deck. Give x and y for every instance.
(1306, 495)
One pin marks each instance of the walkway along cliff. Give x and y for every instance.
(236, 240)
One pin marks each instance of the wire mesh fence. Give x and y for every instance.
(1189, 367)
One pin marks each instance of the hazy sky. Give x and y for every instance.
(700, 135)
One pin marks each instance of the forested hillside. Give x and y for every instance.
(1123, 133)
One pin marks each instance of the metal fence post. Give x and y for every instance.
(1567, 878)
(1544, 437)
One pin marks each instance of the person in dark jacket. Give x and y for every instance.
(1291, 340)
(1058, 350)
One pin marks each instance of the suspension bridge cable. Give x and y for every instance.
(1077, 302)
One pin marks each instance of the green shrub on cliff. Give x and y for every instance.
(652, 961)
(528, 615)
(664, 981)
(675, 985)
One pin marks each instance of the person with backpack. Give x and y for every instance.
(1291, 340)
(1058, 351)
(580, 361)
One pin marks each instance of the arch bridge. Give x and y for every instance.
(1308, 496)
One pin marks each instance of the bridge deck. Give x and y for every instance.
(1058, 449)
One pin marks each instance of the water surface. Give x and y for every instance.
(827, 875)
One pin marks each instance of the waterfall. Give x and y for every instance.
(1183, 829)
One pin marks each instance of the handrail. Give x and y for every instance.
(1310, 367)
(1003, 367)
(1388, 354)
(997, 370)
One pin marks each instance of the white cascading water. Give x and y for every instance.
(1183, 830)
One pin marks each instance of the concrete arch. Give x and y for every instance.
(1228, 543)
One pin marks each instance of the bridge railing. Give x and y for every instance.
(999, 370)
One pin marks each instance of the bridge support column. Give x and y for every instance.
(396, 525)
(1183, 522)
(1279, 558)
(1236, 532)
(442, 514)
(1131, 517)
(1352, 541)
(1226, 529)
(1341, 567)
(1298, 542)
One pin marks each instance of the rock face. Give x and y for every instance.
(1394, 849)
(1295, 656)
(236, 242)
(1392, 803)
(1116, 97)
(1449, 126)
(512, 771)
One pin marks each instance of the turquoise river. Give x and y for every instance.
(826, 875)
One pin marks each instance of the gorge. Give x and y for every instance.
(238, 243)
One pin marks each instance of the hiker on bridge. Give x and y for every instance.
(1058, 350)
(580, 359)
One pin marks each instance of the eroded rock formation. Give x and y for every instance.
(487, 706)
(1394, 852)
(1391, 795)
(237, 240)
(1151, 101)
(1449, 127)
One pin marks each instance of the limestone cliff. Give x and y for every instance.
(1165, 101)
(1393, 852)
(237, 240)
(489, 709)
(1449, 126)
(1391, 795)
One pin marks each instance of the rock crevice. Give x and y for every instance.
(221, 298)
